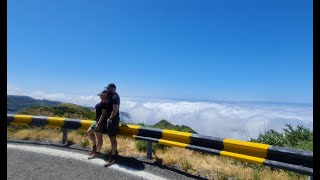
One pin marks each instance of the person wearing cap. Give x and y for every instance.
(112, 113)
(99, 126)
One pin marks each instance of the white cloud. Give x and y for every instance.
(224, 120)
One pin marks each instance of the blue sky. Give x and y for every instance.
(208, 50)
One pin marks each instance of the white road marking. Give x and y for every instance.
(84, 158)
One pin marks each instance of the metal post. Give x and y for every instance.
(310, 177)
(149, 150)
(64, 136)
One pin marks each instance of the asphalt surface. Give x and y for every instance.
(37, 161)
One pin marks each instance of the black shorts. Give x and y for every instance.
(113, 128)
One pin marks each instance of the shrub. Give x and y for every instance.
(271, 137)
(298, 138)
(295, 136)
(85, 143)
(143, 145)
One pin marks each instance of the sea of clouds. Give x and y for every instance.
(236, 120)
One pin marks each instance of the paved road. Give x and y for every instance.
(32, 161)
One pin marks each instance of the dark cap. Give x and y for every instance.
(102, 92)
(110, 85)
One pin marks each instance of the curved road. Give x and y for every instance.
(34, 161)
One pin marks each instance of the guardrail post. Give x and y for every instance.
(149, 150)
(64, 136)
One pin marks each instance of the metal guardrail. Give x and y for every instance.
(279, 157)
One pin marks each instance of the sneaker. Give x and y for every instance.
(94, 155)
(111, 160)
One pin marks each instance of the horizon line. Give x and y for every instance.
(197, 100)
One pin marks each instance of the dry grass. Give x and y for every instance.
(212, 167)
(36, 134)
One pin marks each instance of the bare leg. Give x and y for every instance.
(114, 153)
(92, 137)
(100, 141)
(114, 144)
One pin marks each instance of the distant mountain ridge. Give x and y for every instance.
(66, 110)
(17, 103)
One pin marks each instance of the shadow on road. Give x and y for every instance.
(130, 163)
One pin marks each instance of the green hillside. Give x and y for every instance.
(164, 124)
(61, 110)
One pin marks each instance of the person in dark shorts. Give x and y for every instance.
(112, 113)
(99, 126)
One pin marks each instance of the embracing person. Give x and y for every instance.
(99, 126)
(113, 119)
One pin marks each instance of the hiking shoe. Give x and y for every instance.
(111, 160)
(94, 155)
